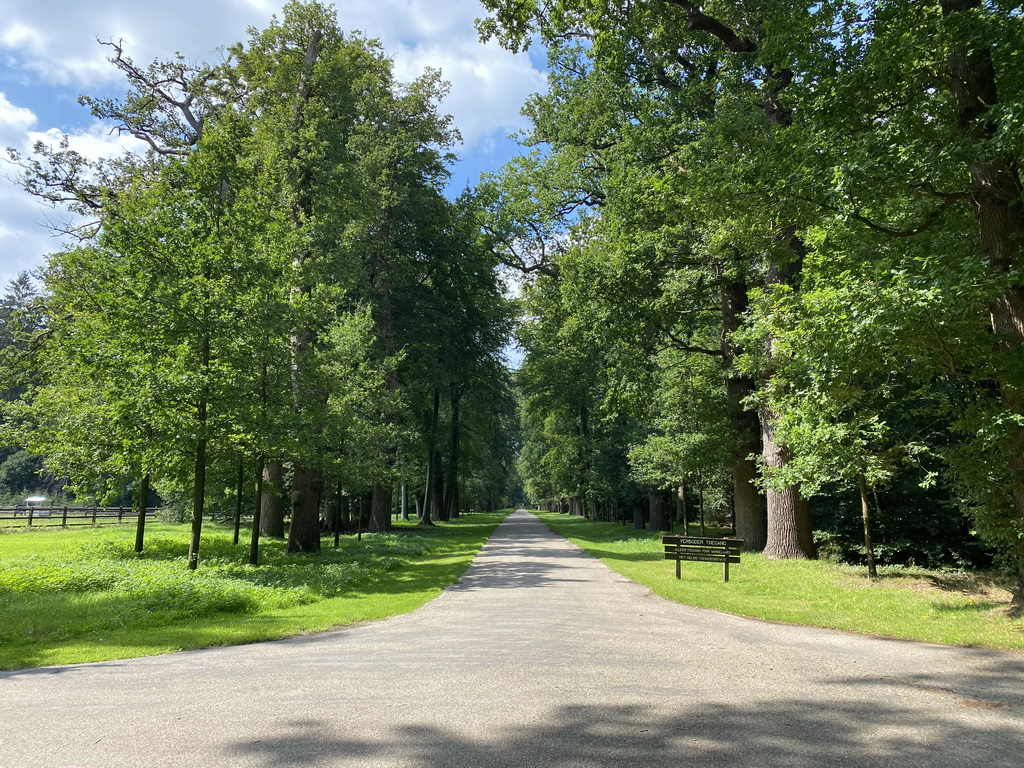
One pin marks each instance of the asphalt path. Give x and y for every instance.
(539, 656)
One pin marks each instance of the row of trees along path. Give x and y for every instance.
(775, 253)
(770, 251)
(277, 293)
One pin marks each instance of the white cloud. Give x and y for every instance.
(14, 121)
(487, 86)
(94, 143)
(24, 237)
(22, 36)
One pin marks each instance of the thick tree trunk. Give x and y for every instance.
(272, 501)
(307, 475)
(749, 506)
(999, 212)
(789, 534)
(307, 492)
(380, 514)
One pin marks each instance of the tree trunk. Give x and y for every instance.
(308, 478)
(257, 507)
(365, 510)
(681, 508)
(339, 500)
(788, 523)
(380, 509)
(439, 512)
(346, 514)
(700, 510)
(380, 516)
(238, 499)
(272, 501)
(404, 509)
(656, 505)
(999, 212)
(428, 488)
(638, 516)
(199, 478)
(749, 509)
(865, 513)
(198, 496)
(452, 491)
(307, 492)
(789, 520)
(141, 501)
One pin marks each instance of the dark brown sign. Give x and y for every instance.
(702, 550)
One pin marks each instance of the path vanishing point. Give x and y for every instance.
(539, 656)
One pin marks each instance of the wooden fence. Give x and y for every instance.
(33, 517)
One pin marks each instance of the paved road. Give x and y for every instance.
(539, 656)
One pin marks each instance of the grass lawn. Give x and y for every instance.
(70, 596)
(911, 603)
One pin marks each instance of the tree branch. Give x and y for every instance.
(701, 22)
(685, 346)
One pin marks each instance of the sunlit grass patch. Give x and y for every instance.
(952, 608)
(72, 596)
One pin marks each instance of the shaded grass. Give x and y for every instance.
(84, 595)
(951, 608)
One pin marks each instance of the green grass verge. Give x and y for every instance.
(910, 603)
(71, 596)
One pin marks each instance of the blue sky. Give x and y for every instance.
(49, 55)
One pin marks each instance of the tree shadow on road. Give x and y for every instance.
(796, 733)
